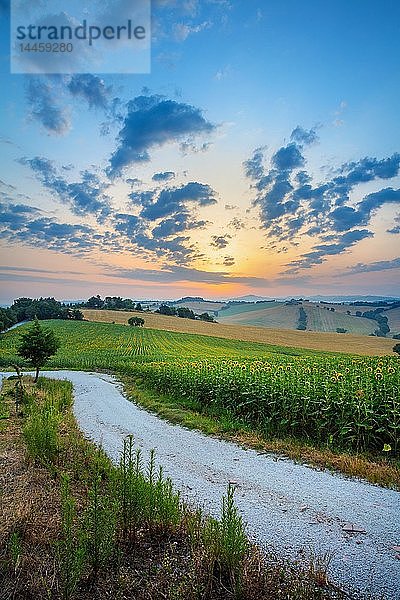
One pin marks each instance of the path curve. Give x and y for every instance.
(288, 506)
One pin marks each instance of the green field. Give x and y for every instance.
(321, 319)
(346, 402)
(271, 314)
(108, 346)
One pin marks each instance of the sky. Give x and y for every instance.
(259, 155)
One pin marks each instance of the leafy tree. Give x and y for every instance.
(138, 307)
(185, 313)
(75, 314)
(396, 348)
(37, 345)
(206, 317)
(166, 310)
(136, 321)
(95, 302)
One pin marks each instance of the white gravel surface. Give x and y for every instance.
(288, 506)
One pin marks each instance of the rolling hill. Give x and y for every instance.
(331, 342)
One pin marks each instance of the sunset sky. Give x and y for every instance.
(261, 155)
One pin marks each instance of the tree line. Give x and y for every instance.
(26, 309)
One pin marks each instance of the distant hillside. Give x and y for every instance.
(393, 316)
(271, 315)
(321, 317)
(200, 306)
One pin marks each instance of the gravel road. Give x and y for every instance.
(288, 506)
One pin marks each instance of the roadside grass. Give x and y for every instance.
(220, 423)
(76, 526)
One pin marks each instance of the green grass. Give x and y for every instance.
(117, 347)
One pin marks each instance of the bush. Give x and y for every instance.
(136, 321)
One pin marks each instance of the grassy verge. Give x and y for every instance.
(76, 526)
(221, 423)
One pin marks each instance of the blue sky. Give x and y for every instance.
(261, 155)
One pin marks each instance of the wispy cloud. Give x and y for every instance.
(45, 109)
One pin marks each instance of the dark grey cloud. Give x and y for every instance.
(134, 181)
(380, 265)
(153, 121)
(44, 107)
(33, 270)
(90, 88)
(236, 224)
(173, 274)
(220, 241)
(84, 197)
(166, 176)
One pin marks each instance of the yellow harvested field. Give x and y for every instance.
(331, 342)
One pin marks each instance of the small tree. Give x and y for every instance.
(396, 348)
(37, 345)
(136, 321)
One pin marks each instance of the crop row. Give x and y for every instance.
(349, 403)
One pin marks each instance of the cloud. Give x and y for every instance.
(153, 121)
(183, 30)
(303, 137)
(236, 224)
(396, 228)
(253, 167)
(84, 197)
(174, 274)
(346, 217)
(380, 265)
(290, 204)
(219, 241)
(166, 176)
(33, 270)
(173, 200)
(44, 108)
(228, 261)
(91, 88)
(133, 181)
(26, 225)
(320, 252)
(372, 202)
(288, 158)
